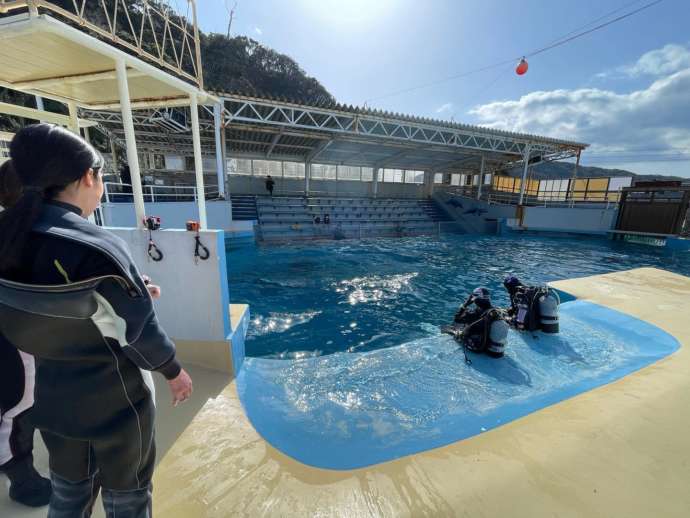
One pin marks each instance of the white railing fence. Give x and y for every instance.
(122, 193)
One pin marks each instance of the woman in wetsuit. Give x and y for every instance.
(93, 399)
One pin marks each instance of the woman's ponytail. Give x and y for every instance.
(44, 159)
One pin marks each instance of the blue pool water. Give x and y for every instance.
(357, 296)
(346, 366)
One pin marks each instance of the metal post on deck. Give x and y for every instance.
(307, 177)
(375, 186)
(220, 163)
(481, 179)
(113, 152)
(132, 156)
(523, 183)
(572, 181)
(198, 162)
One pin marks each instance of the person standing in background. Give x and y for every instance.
(17, 376)
(269, 185)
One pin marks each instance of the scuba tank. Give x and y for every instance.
(498, 336)
(523, 306)
(548, 311)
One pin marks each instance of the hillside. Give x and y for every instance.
(555, 170)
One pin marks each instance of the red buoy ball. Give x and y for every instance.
(522, 67)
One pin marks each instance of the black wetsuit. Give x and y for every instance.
(475, 328)
(269, 186)
(93, 403)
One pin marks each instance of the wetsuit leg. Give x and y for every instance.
(126, 462)
(73, 472)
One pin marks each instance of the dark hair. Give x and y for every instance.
(45, 158)
(10, 188)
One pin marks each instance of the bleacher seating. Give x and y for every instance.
(288, 218)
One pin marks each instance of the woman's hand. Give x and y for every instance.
(180, 387)
(154, 290)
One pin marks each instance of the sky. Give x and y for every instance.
(624, 89)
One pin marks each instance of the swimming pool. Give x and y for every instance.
(356, 296)
(346, 366)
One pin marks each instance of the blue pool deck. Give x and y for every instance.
(585, 431)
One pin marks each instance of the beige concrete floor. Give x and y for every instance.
(170, 423)
(621, 450)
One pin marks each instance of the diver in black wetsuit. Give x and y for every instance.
(480, 328)
(93, 334)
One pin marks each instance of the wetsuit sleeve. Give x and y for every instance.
(147, 345)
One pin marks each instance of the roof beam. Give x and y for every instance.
(40, 115)
(272, 146)
(74, 79)
(323, 146)
(392, 158)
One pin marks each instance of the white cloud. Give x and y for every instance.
(258, 31)
(653, 120)
(666, 60)
(444, 108)
(658, 62)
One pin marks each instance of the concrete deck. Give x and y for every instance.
(619, 450)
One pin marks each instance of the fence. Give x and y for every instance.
(122, 193)
(148, 29)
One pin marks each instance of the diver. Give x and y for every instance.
(532, 308)
(481, 328)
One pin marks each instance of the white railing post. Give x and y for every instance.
(130, 139)
(198, 162)
(220, 162)
(525, 168)
(481, 179)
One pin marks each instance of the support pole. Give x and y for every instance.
(132, 157)
(73, 117)
(198, 162)
(220, 163)
(307, 177)
(572, 180)
(375, 185)
(481, 179)
(113, 152)
(523, 183)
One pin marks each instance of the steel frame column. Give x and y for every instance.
(198, 162)
(220, 163)
(375, 184)
(307, 177)
(523, 183)
(113, 152)
(481, 178)
(572, 180)
(132, 156)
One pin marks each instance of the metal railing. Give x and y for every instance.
(148, 29)
(122, 193)
(544, 199)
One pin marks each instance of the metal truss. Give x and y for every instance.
(153, 33)
(238, 109)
